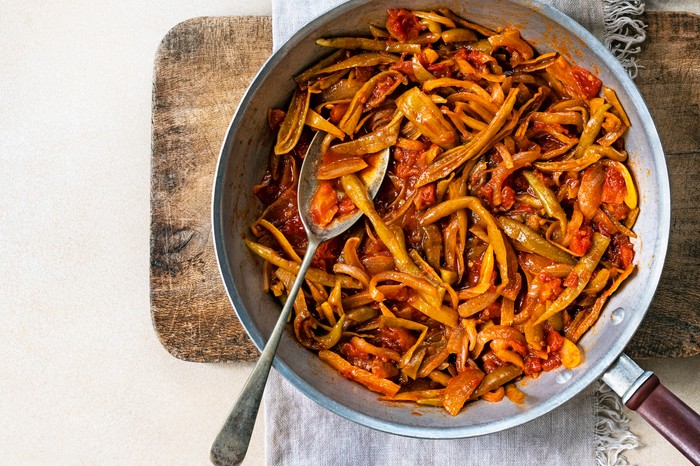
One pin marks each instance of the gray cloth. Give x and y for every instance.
(583, 431)
(299, 432)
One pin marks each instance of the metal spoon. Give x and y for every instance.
(232, 442)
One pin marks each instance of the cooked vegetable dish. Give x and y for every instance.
(503, 225)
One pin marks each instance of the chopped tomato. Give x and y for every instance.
(622, 251)
(355, 355)
(396, 338)
(618, 211)
(485, 192)
(402, 24)
(303, 144)
(475, 58)
(603, 224)
(380, 90)
(441, 70)
(571, 280)
(384, 369)
(327, 254)
(548, 142)
(406, 162)
(324, 205)
(553, 362)
(350, 351)
(615, 187)
(346, 206)
(293, 230)
(553, 338)
(267, 190)
(491, 362)
(533, 364)
(587, 82)
(551, 287)
(582, 240)
(507, 197)
(284, 214)
(406, 67)
(426, 196)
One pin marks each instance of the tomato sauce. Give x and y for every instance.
(403, 24)
(615, 187)
(587, 82)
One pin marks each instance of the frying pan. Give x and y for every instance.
(243, 160)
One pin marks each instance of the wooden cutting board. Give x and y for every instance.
(202, 69)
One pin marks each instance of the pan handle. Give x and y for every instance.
(643, 392)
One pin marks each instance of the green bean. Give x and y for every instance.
(368, 44)
(531, 241)
(583, 271)
(495, 379)
(590, 132)
(548, 199)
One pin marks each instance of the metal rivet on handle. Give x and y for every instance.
(564, 376)
(618, 315)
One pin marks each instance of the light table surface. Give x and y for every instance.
(84, 379)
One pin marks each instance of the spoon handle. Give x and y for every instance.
(232, 442)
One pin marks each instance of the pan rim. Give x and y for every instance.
(569, 391)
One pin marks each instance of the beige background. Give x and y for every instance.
(83, 378)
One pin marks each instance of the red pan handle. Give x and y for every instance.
(675, 420)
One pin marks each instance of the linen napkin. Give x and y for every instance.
(589, 429)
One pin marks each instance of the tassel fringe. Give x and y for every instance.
(624, 31)
(612, 434)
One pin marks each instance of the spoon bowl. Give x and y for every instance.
(231, 444)
(372, 178)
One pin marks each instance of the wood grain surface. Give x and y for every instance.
(202, 68)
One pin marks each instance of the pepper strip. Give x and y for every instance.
(584, 271)
(331, 338)
(495, 237)
(315, 275)
(434, 278)
(348, 124)
(611, 97)
(485, 272)
(390, 321)
(591, 156)
(444, 315)
(529, 240)
(453, 158)
(293, 122)
(590, 132)
(310, 73)
(368, 44)
(371, 143)
(451, 82)
(362, 59)
(369, 380)
(357, 192)
(418, 284)
(281, 239)
(426, 116)
(585, 319)
(548, 199)
(460, 388)
(317, 122)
